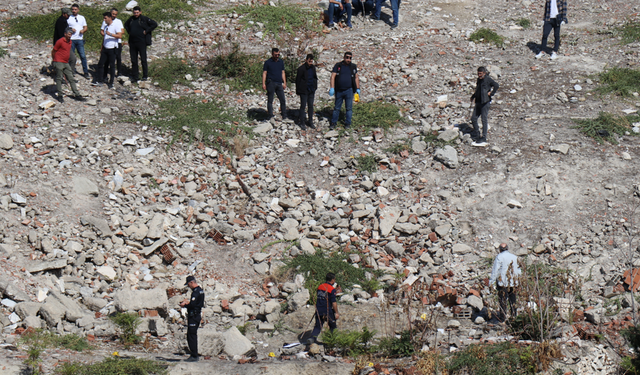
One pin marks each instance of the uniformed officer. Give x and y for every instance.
(194, 309)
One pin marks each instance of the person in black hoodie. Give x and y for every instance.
(485, 90)
(306, 85)
(58, 32)
(139, 28)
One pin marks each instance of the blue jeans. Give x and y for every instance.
(335, 13)
(376, 14)
(395, 8)
(345, 96)
(364, 6)
(78, 45)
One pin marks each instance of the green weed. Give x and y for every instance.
(114, 366)
(525, 23)
(367, 163)
(38, 340)
(3, 53)
(400, 147)
(393, 346)
(316, 267)
(243, 71)
(352, 343)
(490, 359)
(630, 32)
(369, 115)
(171, 71)
(40, 27)
(485, 35)
(619, 81)
(603, 127)
(127, 324)
(191, 118)
(281, 19)
(244, 328)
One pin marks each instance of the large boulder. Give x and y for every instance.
(299, 299)
(134, 300)
(235, 343)
(52, 312)
(73, 311)
(447, 156)
(388, 218)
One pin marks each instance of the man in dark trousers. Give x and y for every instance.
(326, 306)
(112, 32)
(555, 15)
(139, 28)
(306, 85)
(504, 277)
(344, 82)
(58, 32)
(194, 316)
(274, 81)
(116, 21)
(485, 90)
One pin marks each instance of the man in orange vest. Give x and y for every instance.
(326, 306)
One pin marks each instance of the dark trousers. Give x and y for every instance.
(507, 294)
(306, 101)
(481, 110)
(72, 61)
(118, 62)
(135, 49)
(276, 88)
(546, 29)
(193, 322)
(320, 320)
(107, 55)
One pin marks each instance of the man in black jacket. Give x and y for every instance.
(194, 311)
(139, 28)
(306, 85)
(58, 32)
(485, 89)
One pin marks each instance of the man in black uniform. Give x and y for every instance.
(58, 32)
(194, 309)
(139, 28)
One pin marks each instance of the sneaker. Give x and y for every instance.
(480, 143)
(394, 26)
(311, 125)
(347, 126)
(86, 76)
(96, 84)
(80, 98)
(554, 56)
(374, 18)
(60, 98)
(145, 79)
(192, 359)
(110, 86)
(332, 126)
(331, 25)
(302, 126)
(540, 55)
(349, 25)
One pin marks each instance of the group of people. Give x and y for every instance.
(340, 8)
(68, 36)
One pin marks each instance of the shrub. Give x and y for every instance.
(370, 115)
(630, 32)
(367, 163)
(38, 340)
(619, 81)
(398, 346)
(243, 71)
(632, 364)
(3, 53)
(353, 343)
(114, 366)
(127, 324)
(485, 35)
(525, 23)
(280, 20)
(603, 127)
(172, 70)
(490, 359)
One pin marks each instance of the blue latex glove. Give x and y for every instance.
(358, 91)
(332, 91)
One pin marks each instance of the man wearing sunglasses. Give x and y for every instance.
(344, 83)
(79, 26)
(118, 23)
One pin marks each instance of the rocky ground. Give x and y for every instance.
(102, 215)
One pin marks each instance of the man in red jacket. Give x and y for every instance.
(326, 306)
(60, 56)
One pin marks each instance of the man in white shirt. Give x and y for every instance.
(117, 22)
(504, 276)
(112, 33)
(79, 26)
(555, 15)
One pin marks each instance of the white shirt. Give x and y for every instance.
(554, 9)
(78, 23)
(116, 21)
(503, 272)
(110, 41)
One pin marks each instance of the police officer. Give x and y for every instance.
(194, 309)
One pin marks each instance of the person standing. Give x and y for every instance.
(117, 22)
(60, 57)
(395, 8)
(326, 306)
(337, 8)
(79, 26)
(555, 15)
(194, 316)
(306, 86)
(58, 32)
(274, 81)
(344, 82)
(112, 33)
(504, 277)
(139, 28)
(486, 88)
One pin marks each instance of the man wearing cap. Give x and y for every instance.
(194, 310)
(58, 32)
(504, 276)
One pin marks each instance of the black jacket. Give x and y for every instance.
(137, 26)
(302, 79)
(61, 25)
(483, 87)
(196, 303)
